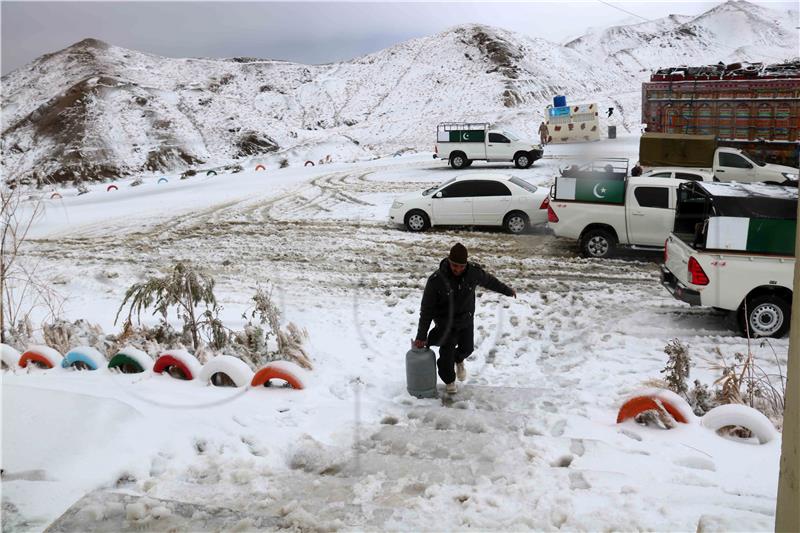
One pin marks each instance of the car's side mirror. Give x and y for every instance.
(438, 194)
(749, 165)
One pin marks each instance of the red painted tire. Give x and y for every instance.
(289, 372)
(180, 359)
(112, 188)
(654, 399)
(55, 195)
(308, 163)
(43, 355)
(261, 167)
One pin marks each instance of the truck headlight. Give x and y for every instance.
(790, 175)
(397, 205)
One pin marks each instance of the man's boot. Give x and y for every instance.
(451, 388)
(461, 371)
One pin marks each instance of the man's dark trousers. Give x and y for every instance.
(454, 348)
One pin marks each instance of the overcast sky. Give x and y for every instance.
(308, 32)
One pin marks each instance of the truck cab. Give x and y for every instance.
(461, 143)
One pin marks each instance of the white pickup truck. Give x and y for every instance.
(702, 152)
(733, 249)
(461, 143)
(606, 209)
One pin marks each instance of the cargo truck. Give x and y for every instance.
(752, 107)
(705, 153)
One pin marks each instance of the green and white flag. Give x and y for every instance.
(758, 235)
(590, 190)
(467, 136)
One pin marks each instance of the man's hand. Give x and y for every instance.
(418, 343)
(513, 293)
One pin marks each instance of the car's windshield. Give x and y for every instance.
(426, 192)
(522, 183)
(757, 160)
(510, 135)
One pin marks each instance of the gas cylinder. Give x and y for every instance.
(421, 372)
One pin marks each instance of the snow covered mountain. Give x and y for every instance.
(95, 111)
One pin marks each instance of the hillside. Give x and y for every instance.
(97, 111)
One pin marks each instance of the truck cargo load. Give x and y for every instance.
(677, 150)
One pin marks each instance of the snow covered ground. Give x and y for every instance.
(530, 442)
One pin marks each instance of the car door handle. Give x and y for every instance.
(720, 170)
(637, 214)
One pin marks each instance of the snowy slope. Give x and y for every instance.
(94, 110)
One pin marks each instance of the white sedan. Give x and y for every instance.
(680, 173)
(474, 200)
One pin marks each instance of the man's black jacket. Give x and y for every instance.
(450, 299)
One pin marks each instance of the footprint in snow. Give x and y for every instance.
(578, 482)
(558, 428)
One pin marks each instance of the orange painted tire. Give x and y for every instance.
(654, 400)
(277, 370)
(33, 357)
(112, 188)
(166, 361)
(261, 167)
(308, 163)
(55, 195)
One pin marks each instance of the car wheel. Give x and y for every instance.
(417, 221)
(522, 160)
(515, 222)
(767, 316)
(598, 243)
(458, 161)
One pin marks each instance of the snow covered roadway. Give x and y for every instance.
(530, 441)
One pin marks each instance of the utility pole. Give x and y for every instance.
(787, 511)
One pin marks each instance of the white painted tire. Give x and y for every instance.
(740, 415)
(10, 356)
(233, 367)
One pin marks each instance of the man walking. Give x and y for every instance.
(449, 302)
(544, 133)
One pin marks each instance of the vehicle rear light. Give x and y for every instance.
(696, 274)
(551, 215)
(666, 255)
(545, 203)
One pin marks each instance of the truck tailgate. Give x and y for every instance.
(675, 271)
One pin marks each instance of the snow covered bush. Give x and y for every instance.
(677, 369)
(189, 292)
(263, 324)
(64, 335)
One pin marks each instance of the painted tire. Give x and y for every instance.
(43, 355)
(112, 188)
(740, 415)
(86, 355)
(650, 399)
(55, 195)
(261, 167)
(211, 173)
(10, 356)
(163, 180)
(236, 369)
(129, 360)
(289, 372)
(308, 163)
(182, 360)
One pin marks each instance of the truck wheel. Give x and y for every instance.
(417, 220)
(598, 243)
(767, 316)
(458, 161)
(515, 222)
(523, 160)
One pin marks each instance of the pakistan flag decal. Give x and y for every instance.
(604, 191)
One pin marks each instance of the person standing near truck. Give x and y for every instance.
(449, 302)
(544, 133)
